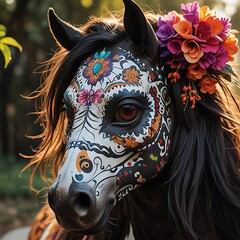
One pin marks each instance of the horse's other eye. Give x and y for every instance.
(126, 113)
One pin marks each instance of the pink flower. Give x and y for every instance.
(88, 97)
(174, 46)
(171, 18)
(212, 45)
(207, 60)
(191, 12)
(203, 31)
(221, 59)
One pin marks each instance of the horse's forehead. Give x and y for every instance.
(111, 68)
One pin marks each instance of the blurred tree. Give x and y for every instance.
(26, 22)
(5, 42)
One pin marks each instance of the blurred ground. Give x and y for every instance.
(15, 213)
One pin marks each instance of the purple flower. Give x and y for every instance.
(190, 12)
(207, 60)
(227, 27)
(212, 45)
(164, 32)
(221, 59)
(175, 45)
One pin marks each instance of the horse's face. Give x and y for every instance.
(118, 125)
(117, 136)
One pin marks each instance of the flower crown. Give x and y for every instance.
(200, 43)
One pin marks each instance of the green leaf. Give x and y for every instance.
(3, 30)
(12, 42)
(6, 53)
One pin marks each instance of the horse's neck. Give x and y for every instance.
(149, 216)
(148, 212)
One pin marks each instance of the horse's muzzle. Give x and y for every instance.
(73, 208)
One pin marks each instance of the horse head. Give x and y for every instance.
(118, 129)
(137, 114)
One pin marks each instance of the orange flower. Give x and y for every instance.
(184, 29)
(230, 44)
(208, 84)
(195, 72)
(131, 75)
(174, 76)
(216, 25)
(192, 51)
(204, 13)
(97, 69)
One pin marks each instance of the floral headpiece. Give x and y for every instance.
(200, 43)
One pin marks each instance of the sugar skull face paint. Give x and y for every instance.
(118, 128)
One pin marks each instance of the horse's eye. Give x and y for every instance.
(126, 113)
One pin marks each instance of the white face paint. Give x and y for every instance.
(118, 133)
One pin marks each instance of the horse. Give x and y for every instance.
(134, 141)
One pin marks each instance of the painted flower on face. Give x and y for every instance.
(208, 85)
(131, 75)
(98, 68)
(87, 98)
(191, 51)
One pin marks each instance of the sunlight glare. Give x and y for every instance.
(10, 1)
(86, 3)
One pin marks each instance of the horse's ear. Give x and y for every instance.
(65, 34)
(140, 30)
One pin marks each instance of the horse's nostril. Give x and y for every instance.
(83, 204)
